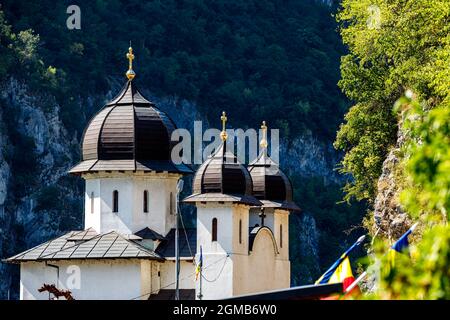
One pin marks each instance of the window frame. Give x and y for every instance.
(214, 230)
(92, 201)
(115, 201)
(281, 235)
(240, 231)
(145, 201)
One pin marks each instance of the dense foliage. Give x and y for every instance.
(426, 191)
(274, 60)
(405, 51)
(425, 272)
(394, 46)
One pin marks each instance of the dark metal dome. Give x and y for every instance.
(222, 178)
(129, 133)
(270, 184)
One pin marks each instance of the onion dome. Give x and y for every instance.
(222, 178)
(270, 185)
(129, 134)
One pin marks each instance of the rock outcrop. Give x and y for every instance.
(390, 220)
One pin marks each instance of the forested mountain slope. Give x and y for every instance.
(258, 60)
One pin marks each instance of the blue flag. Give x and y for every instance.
(400, 246)
(199, 264)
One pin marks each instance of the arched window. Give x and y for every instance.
(281, 236)
(171, 203)
(214, 230)
(145, 203)
(240, 231)
(92, 202)
(115, 201)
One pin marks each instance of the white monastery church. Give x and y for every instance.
(127, 248)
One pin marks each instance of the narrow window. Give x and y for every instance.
(171, 203)
(281, 236)
(214, 229)
(145, 204)
(92, 202)
(115, 201)
(240, 231)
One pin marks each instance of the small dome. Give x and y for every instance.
(222, 178)
(270, 184)
(129, 133)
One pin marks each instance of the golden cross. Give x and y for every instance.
(223, 134)
(130, 56)
(263, 143)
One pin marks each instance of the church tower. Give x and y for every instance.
(274, 189)
(126, 163)
(222, 192)
(129, 248)
(239, 222)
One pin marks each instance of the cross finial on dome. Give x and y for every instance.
(130, 56)
(263, 144)
(223, 134)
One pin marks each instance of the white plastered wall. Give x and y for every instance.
(261, 270)
(256, 219)
(115, 279)
(130, 217)
(281, 217)
(228, 265)
(217, 265)
(187, 274)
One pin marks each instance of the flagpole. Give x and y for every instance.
(341, 258)
(355, 283)
(200, 290)
(200, 269)
(364, 274)
(177, 247)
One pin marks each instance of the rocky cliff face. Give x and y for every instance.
(39, 201)
(305, 255)
(390, 220)
(25, 220)
(309, 157)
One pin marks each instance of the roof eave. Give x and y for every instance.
(18, 261)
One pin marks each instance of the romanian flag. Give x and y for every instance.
(341, 270)
(401, 246)
(198, 269)
(343, 274)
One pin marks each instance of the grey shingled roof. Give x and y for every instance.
(111, 245)
(221, 197)
(167, 247)
(48, 247)
(83, 235)
(108, 245)
(287, 205)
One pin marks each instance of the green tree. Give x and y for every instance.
(396, 47)
(425, 274)
(393, 46)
